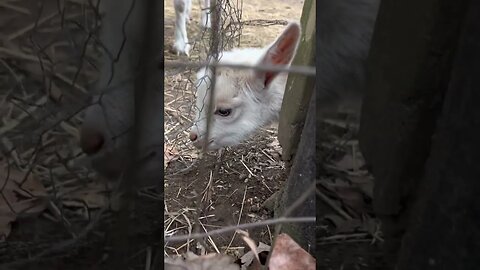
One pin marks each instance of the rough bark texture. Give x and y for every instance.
(301, 177)
(299, 87)
(444, 232)
(409, 67)
(296, 135)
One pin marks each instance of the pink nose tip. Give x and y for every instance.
(193, 136)
(91, 141)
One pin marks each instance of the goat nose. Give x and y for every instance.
(193, 136)
(91, 141)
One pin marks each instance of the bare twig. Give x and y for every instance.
(281, 220)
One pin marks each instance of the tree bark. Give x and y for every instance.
(408, 73)
(444, 231)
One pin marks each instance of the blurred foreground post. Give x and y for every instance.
(410, 65)
(135, 30)
(296, 134)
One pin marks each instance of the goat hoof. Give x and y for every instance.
(181, 49)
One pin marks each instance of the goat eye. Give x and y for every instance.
(224, 112)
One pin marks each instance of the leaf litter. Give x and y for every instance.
(345, 188)
(22, 194)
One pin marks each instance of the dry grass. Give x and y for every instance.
(203, 193)
(47, 63)
(44, 79)
(259, 28)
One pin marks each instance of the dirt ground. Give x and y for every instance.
(55, 212)
(230, 187)
(41, 83)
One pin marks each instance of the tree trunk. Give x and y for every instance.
(299, 87)
(301, 177)
(444, 232)
(409, 67)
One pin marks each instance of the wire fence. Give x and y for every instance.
(179, 109)
(189, 223)
(53, 59)
(179, 106)
(49, 53)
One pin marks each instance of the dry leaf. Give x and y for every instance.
(191, 261)
(350, 196)
(6, 219)
(348, 163)
(22, 194)
(249, 241)
(248, 259)
(275, 148)
(169, 154)
(364, 183)
(288, 255)
(345, 226)
(94, 195)
(353, 198)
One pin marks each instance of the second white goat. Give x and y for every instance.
(183, 9)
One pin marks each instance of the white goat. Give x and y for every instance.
(182, 17)
(345, 31)
(244, 100)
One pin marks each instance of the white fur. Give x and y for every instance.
(182, 17)
(253, 104)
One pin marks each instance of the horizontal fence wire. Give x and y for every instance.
(303, 70)
(212, 170)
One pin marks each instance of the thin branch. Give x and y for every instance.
(174, 239)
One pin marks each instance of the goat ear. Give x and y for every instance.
(280, 52)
